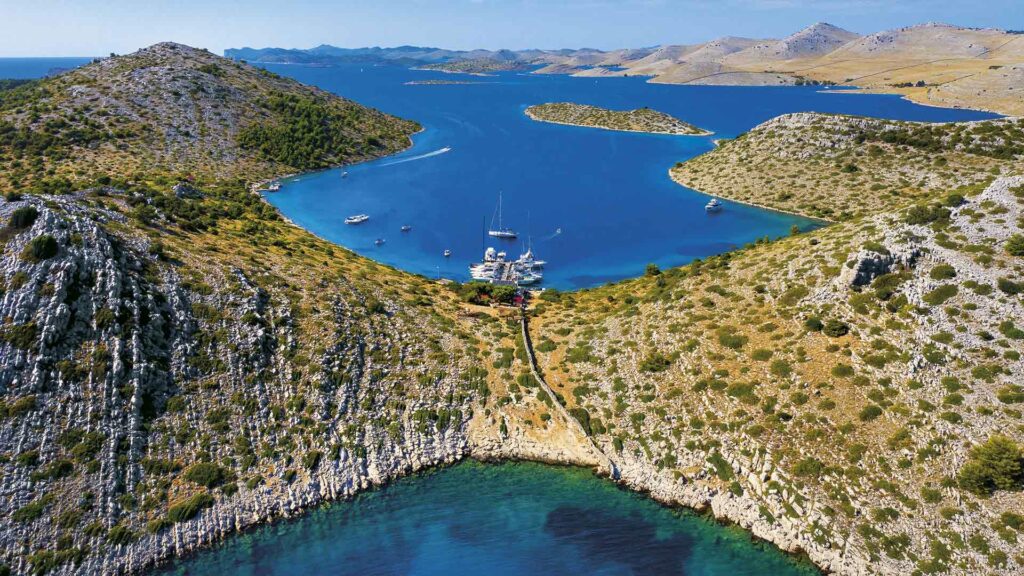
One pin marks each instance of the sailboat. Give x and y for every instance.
(500, 231)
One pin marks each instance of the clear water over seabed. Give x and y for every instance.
(498, 520)
(608, 192)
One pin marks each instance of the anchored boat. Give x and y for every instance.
(357, 219)
(500, 231)
(713, 206)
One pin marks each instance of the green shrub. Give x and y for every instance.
(206, 474)
(188, 509)
(722, 468)
(943, 272)
(583, 417)
(886, 285)
(119, 535)
(311, 459)
(842, 370)
(655, 362)
(727, 337)
(940, 294)
(998, 464)
(23, 217)
(21, 336)
(808, 467)
(926, 214)
(869, 413)
(1015, 245)
(1009, 287)
(835, 328)
(40, 248)
(29, 512)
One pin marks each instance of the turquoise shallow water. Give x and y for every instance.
(502, 520)
(608, 192)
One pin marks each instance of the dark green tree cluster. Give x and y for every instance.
(309, 134)
(483, 293)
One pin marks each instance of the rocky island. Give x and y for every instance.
(638, 120)
(179, 363)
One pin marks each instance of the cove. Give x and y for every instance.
(512, 519)
(598, 205)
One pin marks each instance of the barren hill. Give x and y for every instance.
(815, 40)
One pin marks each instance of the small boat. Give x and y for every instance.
(528, 278)
(500, 231)
(379, 241)
(406, 228)
(713, 206)
(274, 187)
(447, 253)
(357, 219)
(344, 174)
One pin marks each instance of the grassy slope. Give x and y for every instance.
(180, 111)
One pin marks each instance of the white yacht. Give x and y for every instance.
(447, 253)
(357, 219)
(713, 206)
(501, 231)
(379, 241)
(406, 228)
(528, 261)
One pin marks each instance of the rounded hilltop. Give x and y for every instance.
(180, 110)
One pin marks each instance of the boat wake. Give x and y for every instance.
(557, 232)
(438, 152)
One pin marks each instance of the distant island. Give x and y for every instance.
(439, 82)
(478, 66)
(638, 120)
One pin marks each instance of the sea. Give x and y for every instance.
(597, 205)
(514, 519)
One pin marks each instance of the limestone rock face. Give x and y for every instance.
(869, 264)
(118, 375)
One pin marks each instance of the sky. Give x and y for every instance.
(100, 27)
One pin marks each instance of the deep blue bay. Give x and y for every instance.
(608, 192)
(501, 520)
